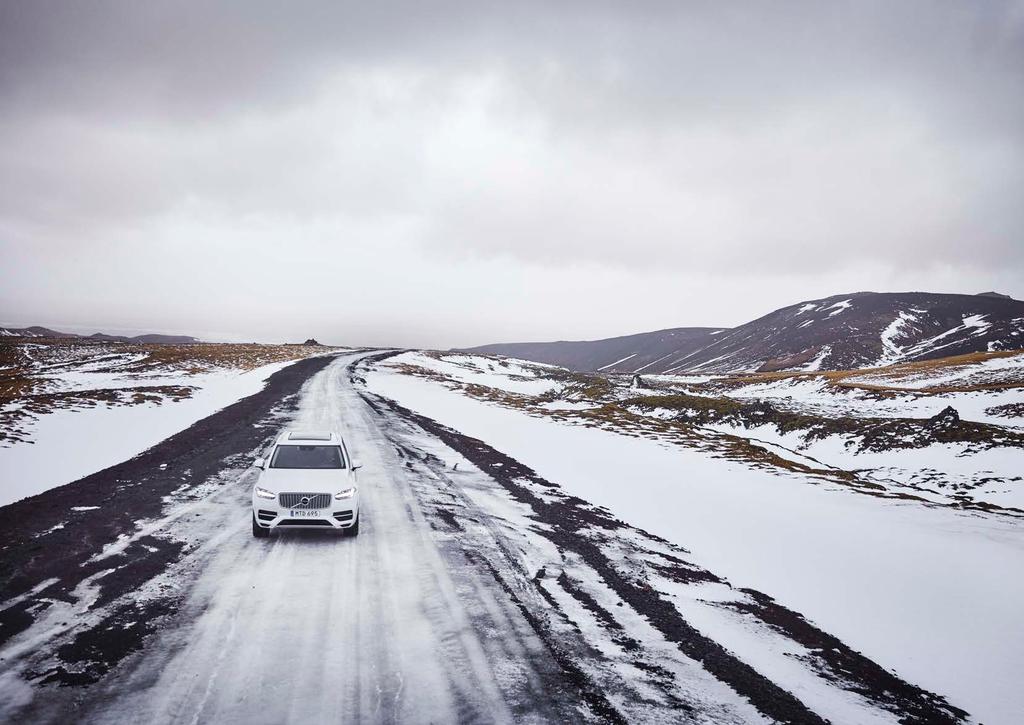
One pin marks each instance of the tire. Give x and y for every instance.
(354, 529)
(258, 531)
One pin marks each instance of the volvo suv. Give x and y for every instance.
(308, 481)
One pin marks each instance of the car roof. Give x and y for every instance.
(305, 437)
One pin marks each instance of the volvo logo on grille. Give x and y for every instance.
(298, 500)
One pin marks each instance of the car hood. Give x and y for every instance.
(305, 480)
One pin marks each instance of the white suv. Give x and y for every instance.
(309, 481)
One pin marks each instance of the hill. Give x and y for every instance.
(861, 329)
(45, 332)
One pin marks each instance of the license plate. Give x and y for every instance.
(304, 514)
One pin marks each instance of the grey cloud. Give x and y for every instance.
(717, 139)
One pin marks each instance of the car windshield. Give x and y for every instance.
(307, 457)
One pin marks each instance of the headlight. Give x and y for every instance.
(347, 493)
(264, 493)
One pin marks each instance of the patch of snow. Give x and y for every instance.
(806, 308)
(611, 365)
(513, 376)
(681, 379)
(816, 363)
(975, 322)
(567, 405)
(651, 364)
(978, 322)
(839, 307)
(891, 352)
(709, 363)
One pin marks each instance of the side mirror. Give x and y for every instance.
(258, 463)
(356, 463)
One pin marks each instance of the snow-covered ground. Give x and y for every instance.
(480, 590)
(929, 591)
(513, 376)
(940, 472)
(67, 444)
(937, 472)
(994, 370)
(817, 395)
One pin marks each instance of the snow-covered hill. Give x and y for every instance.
(863, 329)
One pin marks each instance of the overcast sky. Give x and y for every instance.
(441, 174)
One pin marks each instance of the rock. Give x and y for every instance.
(945, 418)
(311, 343)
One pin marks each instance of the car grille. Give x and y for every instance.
(305, 500)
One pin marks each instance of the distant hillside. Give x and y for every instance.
(632, 351)
(45, 332)
(861, 329)
(35, 331)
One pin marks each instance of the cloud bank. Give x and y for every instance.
(457, 173)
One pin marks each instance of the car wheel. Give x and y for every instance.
(258, 531)
(354, 529)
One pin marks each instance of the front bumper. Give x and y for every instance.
(271, 515)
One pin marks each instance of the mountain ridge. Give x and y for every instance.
(852, 330)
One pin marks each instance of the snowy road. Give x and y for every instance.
(308, 627)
